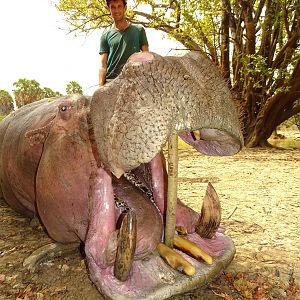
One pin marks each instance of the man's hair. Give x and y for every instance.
(109, 1)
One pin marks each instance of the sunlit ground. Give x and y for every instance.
(291, 139)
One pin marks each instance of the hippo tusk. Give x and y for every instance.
(126, 246)
(196, 135)
(210, 218)
(172, 189)
(191, 249)
(175, 260)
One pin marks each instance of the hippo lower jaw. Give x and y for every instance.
(150, 277)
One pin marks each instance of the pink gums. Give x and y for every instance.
(102, 217)
(185, 216)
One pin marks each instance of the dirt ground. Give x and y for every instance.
(259, 191)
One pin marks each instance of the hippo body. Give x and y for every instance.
(43, 159)
(63, 159)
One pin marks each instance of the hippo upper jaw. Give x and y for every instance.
(134, 115)
(213, 142)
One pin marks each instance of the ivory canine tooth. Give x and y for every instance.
(196, 134)
(210, 218)
(175, 260)
(191, 249)
(126, 246)
(181, 230)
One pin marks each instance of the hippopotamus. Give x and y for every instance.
(93, 170)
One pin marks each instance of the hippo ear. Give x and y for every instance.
(38, 136)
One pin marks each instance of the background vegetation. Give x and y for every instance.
(27, 91)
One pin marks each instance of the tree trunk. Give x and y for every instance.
(276, 110)
(225, 62)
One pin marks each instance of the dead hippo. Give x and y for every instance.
(92, 169)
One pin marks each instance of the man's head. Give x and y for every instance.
(117, 9)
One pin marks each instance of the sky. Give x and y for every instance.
(35, 45)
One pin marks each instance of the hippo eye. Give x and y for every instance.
(63, 108)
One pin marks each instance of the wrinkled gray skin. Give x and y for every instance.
(63, 159)
(170, 94)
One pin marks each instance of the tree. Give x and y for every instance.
(27, 91)
(255, 43)
(6, 103)
(48, 93)
(73, 88)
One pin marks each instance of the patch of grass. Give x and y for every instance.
(2, 117)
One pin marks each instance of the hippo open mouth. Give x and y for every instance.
(132, 119)
(88, 167)
(127, 264)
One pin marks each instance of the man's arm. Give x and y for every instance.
(102, 69)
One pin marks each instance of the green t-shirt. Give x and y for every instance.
(120, 45)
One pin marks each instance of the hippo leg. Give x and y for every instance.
(46, 252)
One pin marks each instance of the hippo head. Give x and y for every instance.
(132, 118)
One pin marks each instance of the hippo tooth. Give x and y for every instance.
(175, 260)
(126, 246)
(181, 230)
(191, 249)
(210, 217)
(196, 135)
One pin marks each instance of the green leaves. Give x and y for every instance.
(6, 103)
(73, 88)
(85, 15)
(27, 91)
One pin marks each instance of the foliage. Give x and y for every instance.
(73, 88)
(27, 91)
(6, 103)
(255, 43)
(48, 93)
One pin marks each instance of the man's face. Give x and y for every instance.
(117, 10)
